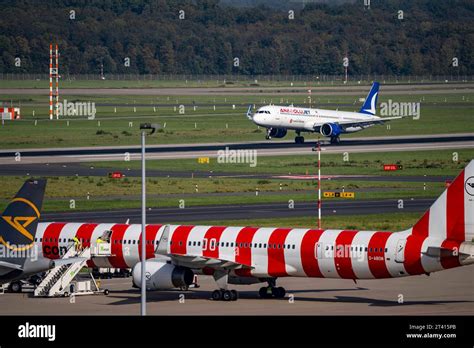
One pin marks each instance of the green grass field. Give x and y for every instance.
(435, 162)
(439, 114)
(373, 222)
(106, 193)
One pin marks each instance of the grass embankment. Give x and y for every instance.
(435, 162)
(439, 114)
(373, 222)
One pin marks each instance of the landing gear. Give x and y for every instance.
(16, 287)
(299, 140)
(221, 278)
(269, 292)
(268, 136)
(272, 290)
(335, 140)
(224, 295)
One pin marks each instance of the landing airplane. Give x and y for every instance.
(441, 239)
(329, 123)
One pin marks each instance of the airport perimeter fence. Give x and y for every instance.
(256, 79)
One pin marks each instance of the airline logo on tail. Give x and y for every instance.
(370, 104)
(20, 224)
(470, 186)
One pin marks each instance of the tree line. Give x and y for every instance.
(432, 37)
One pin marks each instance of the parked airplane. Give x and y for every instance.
(19, 256)
(329, 123)
(441, 239)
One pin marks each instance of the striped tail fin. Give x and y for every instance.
(451, 217)
(443, 236)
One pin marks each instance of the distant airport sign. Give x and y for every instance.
(330, 194)
(392, 167)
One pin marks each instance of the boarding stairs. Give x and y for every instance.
(58, 278)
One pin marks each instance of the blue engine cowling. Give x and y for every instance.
(278, 132)
(331, 130)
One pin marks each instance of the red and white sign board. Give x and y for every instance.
(10, 113)
(392, 167)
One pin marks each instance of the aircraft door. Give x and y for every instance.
(318, 252)
(400, 251)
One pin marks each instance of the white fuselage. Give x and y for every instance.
(307, 119)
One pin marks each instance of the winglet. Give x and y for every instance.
(249, 112)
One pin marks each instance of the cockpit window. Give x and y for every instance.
(263, 112)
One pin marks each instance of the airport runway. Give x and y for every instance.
(268, 148)
(243, 211)
(392, 89)
(447, 292)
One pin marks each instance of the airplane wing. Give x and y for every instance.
(249, 112)
(195, 261)
(8, 266)
(350, 123)
(442, 252)
(201, 262)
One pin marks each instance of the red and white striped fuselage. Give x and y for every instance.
(270, 252)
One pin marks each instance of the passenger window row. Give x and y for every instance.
(244, 245)
(355, 248)
(116, 241)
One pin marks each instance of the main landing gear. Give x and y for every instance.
(223, 294)
(335, 140)
(299, 139)
(272, 290)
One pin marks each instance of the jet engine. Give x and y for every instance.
(277, 132)
(331, 130)
(162, 276)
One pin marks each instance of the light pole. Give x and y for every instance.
(144, 127)
(319, 182)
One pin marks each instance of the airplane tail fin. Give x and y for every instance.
(370, 104)
(19, 221)
(451, 217)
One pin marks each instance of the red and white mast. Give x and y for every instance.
(50, 81)
(319, 184)
(57, 81)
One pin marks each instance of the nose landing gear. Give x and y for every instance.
(268, 136)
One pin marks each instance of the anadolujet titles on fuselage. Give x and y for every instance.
(279, 119)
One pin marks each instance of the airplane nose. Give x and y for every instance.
(257, 118)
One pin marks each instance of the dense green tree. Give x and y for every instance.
(153, 37)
